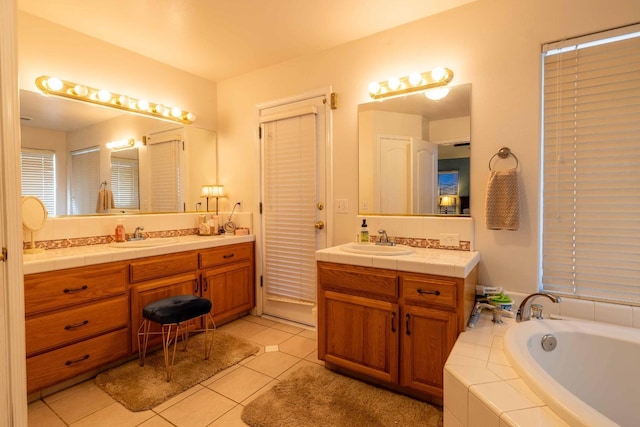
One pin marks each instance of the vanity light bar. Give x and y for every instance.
(412, 83)
(124, 144)
(79, 92)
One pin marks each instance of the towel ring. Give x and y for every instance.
(503, 153)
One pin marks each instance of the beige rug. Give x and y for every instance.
(315, 396)
(143, 387)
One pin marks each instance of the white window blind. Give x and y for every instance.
(85, 180)
(38, 169)
(289, 203)
(591, 172)
(164, 159)
(124, 182)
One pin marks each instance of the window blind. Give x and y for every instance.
(85, 180)
(124, 182)
(591, 167)
(39, 176)
(164, 159)
(289, 203)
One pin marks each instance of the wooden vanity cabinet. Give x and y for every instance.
(391, 326)
(76, 320)
(227, 279)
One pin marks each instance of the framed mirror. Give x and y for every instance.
(34, 215)
(65, 142)
(414, 155)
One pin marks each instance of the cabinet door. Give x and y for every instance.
(428, 336)
(154, 290)
(361, 334)
(230, 289)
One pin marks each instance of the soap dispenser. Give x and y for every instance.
(364, 232)
(119, 232)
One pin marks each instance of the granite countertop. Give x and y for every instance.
(442, 262)
(58, 259)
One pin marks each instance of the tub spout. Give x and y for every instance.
(524, 311)
(497, 311)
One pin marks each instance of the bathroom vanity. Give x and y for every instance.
(84, 317)
(394, 325)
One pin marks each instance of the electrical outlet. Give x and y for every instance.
(450, 240)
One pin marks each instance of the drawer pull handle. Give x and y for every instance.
(74, 290)
(196, 289)
(227, 256)
(205, 284)
(78, 360)
(407, 318)
(393, 321)
(423, 292)
(76, 325)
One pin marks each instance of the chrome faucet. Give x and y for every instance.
(524, 311)
(497, 311)
(137, 235)
(384, 239)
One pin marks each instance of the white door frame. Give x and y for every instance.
(13, 388)
(326, 92)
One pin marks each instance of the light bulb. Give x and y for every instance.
(374, 87)
(394, 83)
(437, 93)
(80, 90)
(415, 79)
(123, 100)
(191, 117)
(176, 112)
(438, 74)
(143, 104)
(54, 83)
(159, 108)
(104, 95)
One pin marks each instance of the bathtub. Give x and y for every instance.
(592, 376)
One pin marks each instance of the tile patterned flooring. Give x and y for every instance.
(217, 401)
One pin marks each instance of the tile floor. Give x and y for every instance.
(217, 401)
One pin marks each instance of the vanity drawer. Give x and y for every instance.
(429, 290)
(361, 281)
(55, 366)
(225, 255)
(64, 327)
(58, 289)
(163, 266)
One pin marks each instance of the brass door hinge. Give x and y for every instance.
(334, 101)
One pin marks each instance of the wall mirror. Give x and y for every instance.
(414, 154)
(71, 136)
(34, 215)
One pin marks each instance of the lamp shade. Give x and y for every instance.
(207, 190)
(218, 191)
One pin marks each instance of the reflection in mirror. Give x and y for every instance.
(34, 215)
(66, 133)
(414, 154)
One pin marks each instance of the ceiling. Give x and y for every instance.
(218, 39)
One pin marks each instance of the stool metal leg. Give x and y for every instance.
(166, 343)
(145, 327)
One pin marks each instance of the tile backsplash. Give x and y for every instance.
(420, 231)
(62, 232)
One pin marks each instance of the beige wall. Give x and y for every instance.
(492, 44)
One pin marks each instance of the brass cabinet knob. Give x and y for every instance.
(319, 225)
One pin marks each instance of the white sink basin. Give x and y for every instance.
(377, 250)
(146, 243)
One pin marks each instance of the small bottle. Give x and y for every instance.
(120, 233)
(364, 233)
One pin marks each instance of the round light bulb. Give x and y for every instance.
(191, 117)
(80, 90)
(159, 108)
(437, 93)
(104, 95)
(143, 104)
(394, 83)
(123, 100)
(374, 88)
(415, 79)
(54, 83)
(438, 74)
(176, 112)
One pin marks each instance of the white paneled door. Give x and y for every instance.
(294, 215)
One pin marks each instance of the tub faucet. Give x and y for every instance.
(384, 239)
(524, 311)
(497, 311)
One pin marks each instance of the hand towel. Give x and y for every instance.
(503, 202)
(105, 201)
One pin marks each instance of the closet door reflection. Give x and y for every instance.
(84, 181)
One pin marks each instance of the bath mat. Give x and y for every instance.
(315, 396)
(143, 387)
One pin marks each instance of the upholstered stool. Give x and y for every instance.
(176, 315)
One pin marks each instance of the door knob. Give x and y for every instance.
(319, 225)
